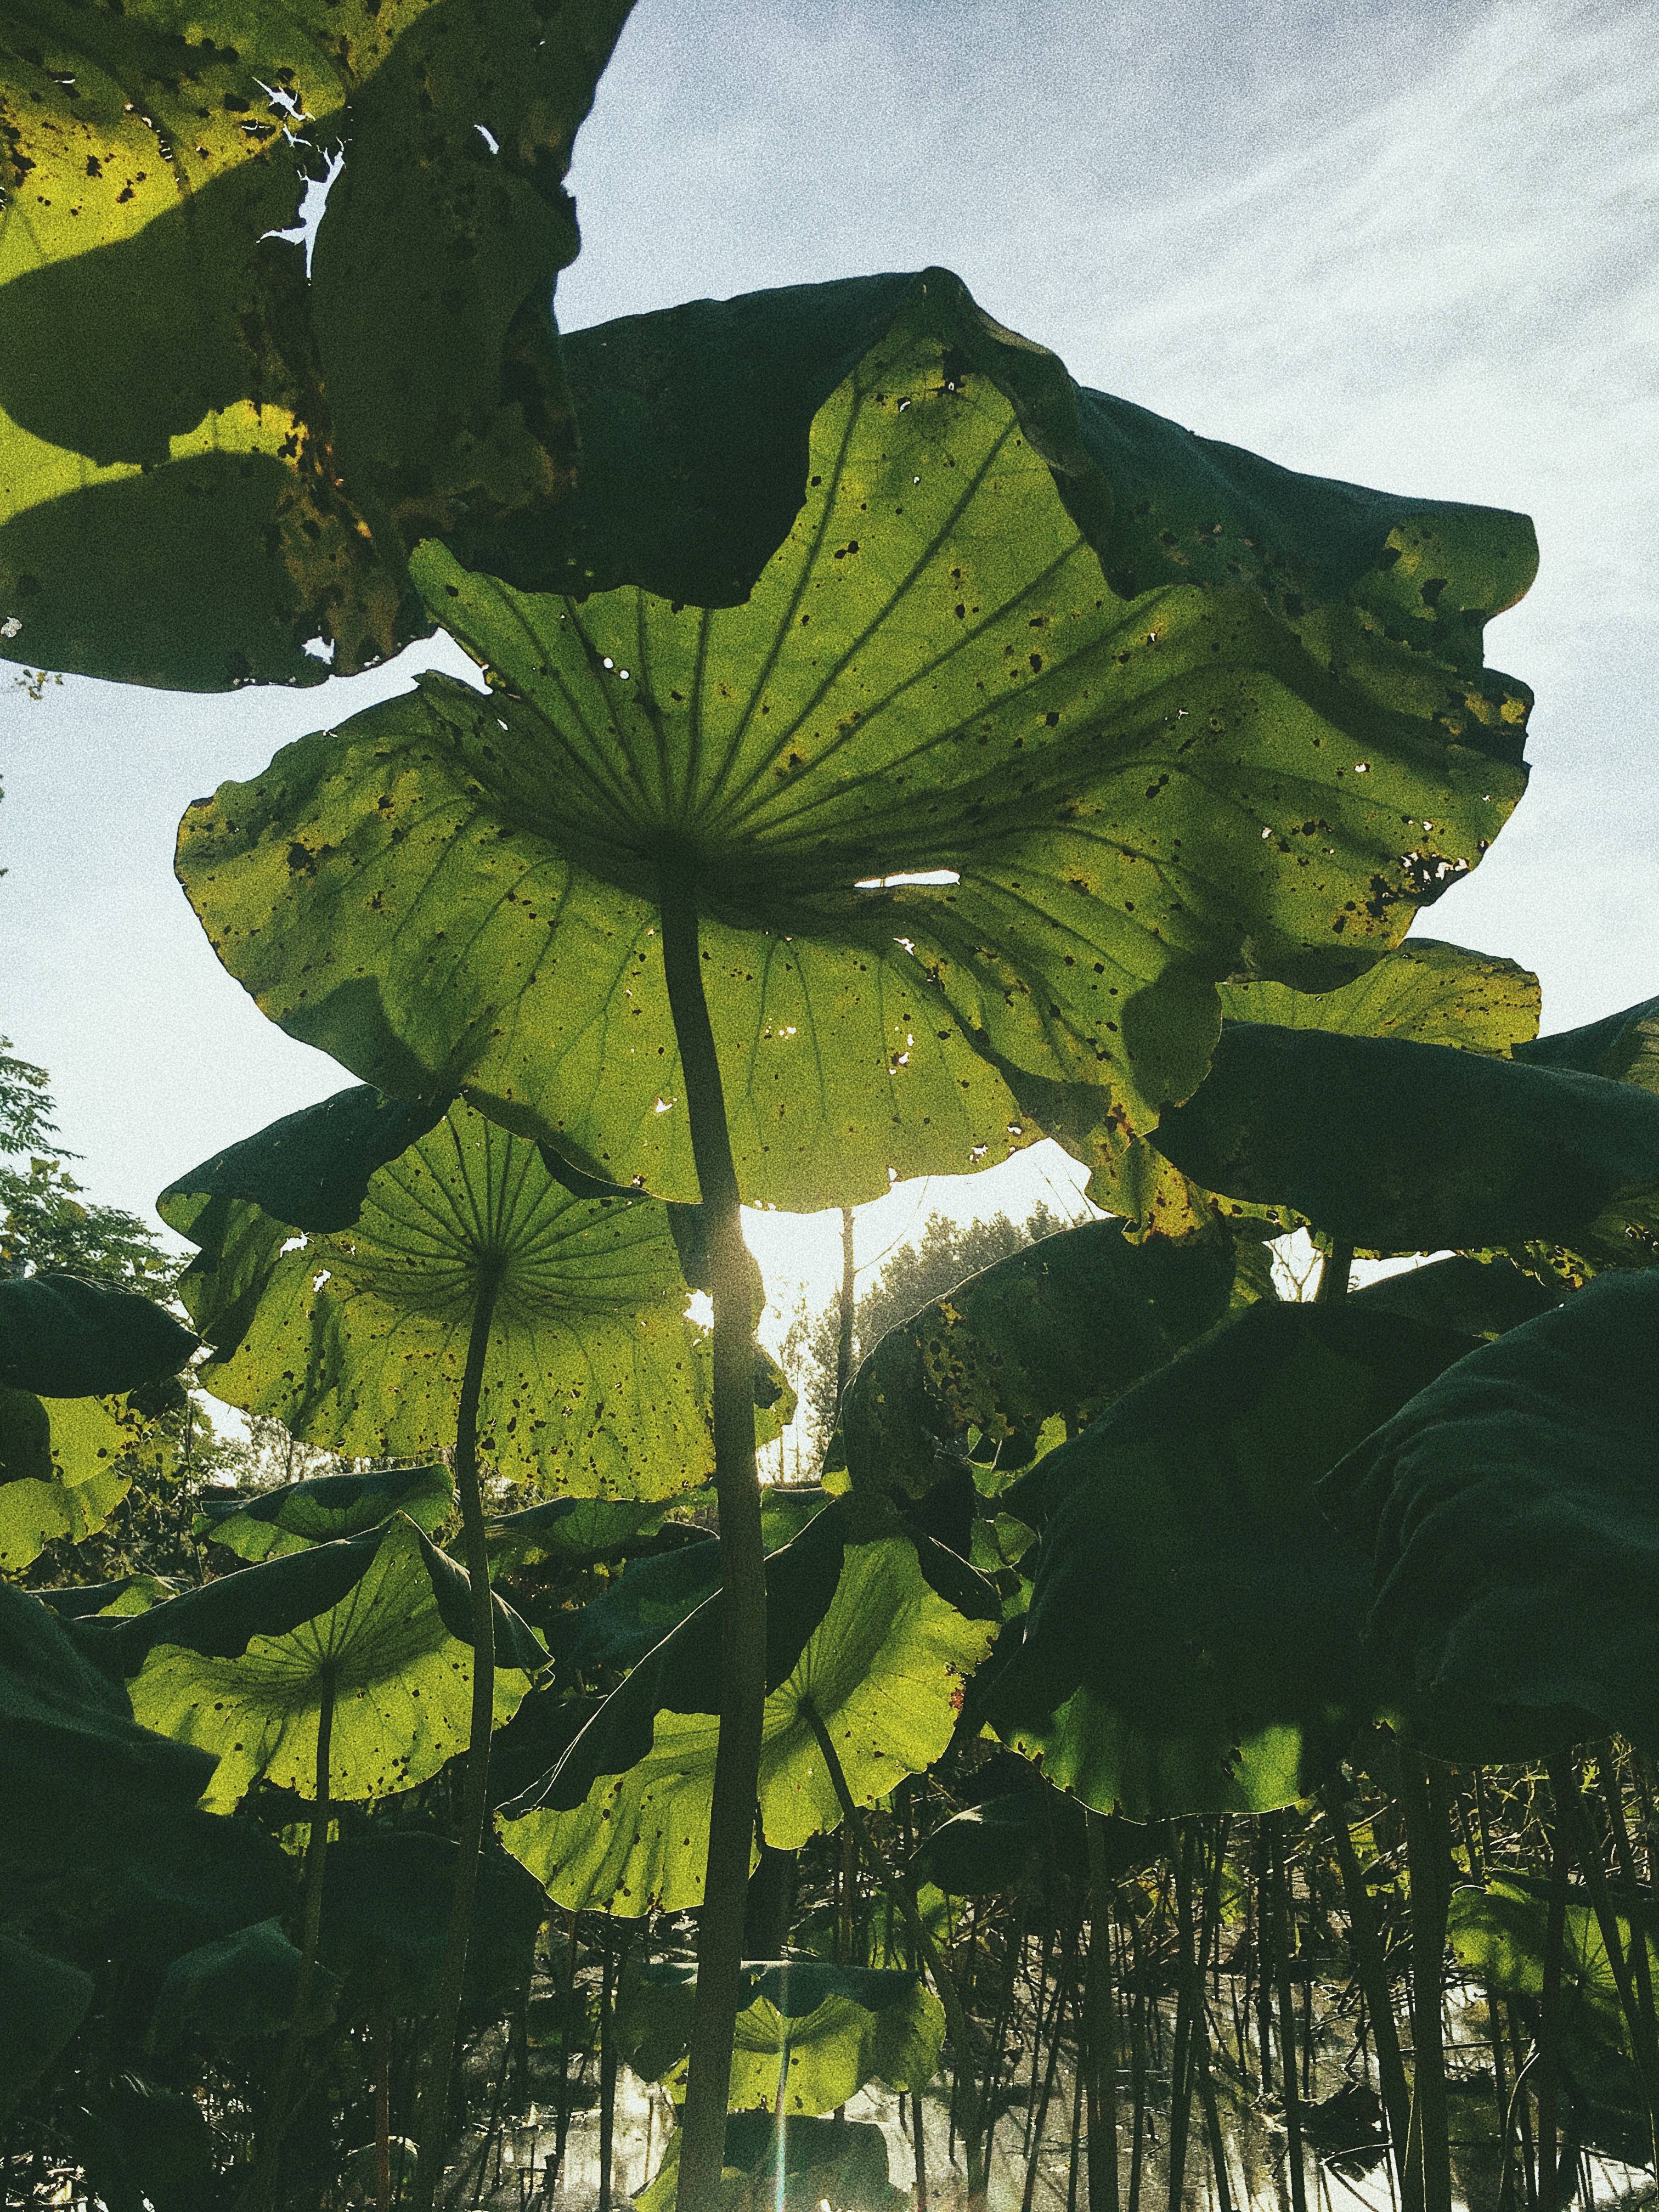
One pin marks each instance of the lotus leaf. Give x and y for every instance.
(1624, 1047)
(126, 1593)
(217, 437)
(43, 2000)
(1134, 792)
(66, 1338)
(996, 1846)
(326, 1506)
(242, 1985)
(808, 2164)
(839, 2027)
(357, 1338)
(1193, 1643)
(1473, 1297)
(576, 1531)
(650, 1597)
(854, 1628)
(1061, 1328)
(81, 1785)
(1425, 992)
(1394, 1147)
(379, 1623)
(1508, 1513)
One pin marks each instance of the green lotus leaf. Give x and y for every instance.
(43, 2000)
(1499, 1935)
(217, 439)
(1424, 992)
(126, 1595)
(1193, 1642)
(839, 2028)
(1508, 1513)
(81, 1785)
(385, 1909)
(574, 1531)
(326, 1506)
(1474, 1297)
(65, 1465)
(854, 1628)
(1134, 793)
(311, 1169)
(1624, 1047)
(378, 1622)
(242, 1985)
(1394, 1147)
(649, 1598)
(812, 2163)
(594, 1380)
(1061, 1328)
(67, 1338)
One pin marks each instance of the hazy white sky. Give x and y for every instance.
(1416, 247)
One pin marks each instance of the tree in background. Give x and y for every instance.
(47, 1221)
(946, 1253)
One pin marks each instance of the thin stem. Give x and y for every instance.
(282, 2100)
(1371, 1970)
(475, 1801)
(844, 1317)
(1290, 2092)
(1100, 2026)
(955, 2015)
(743, 1566)
(1334, 1275)
(1423, 1803)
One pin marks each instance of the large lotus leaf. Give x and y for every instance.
(997, 1846)
(81, 1786)
(1395, 1146)
(1132, 795)
(840, 2026)
(1062, 1327)
(594, 1379)
(854, 1627)
(326, 1506)
(1509, 1516)
(218, 441)
(378, 1621)
(807, 2165)
(1427, 992)
(68, 1339)
(241, 1985)
(386, 1916)
(43, 2000)
(1193, 1643)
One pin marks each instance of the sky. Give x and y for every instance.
(1412, 246)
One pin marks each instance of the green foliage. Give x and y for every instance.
(242, 1985)
(377, 1623)
(325, 1506)
(218, 440)
(1232, 1672)
(1060, 1329)
(1394, 1147)
(840, 2163)
(43, 2000)
(810, 2034)
(25, 1106)
(854, 1630)
(776, 762)
(594, 1380)
(386, 1906)
(68, 1339)
(1507, 1514)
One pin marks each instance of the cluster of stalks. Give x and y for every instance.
(1224, 2010)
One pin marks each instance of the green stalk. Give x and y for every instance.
(1289, 2083)
(265, 2186)
(743, 1569)
(475, 1800)
(955, 2015)
(1426, 1857)
(1334, 1275)
(1100, 2026)
(1371, 1970)
(844, 1316)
